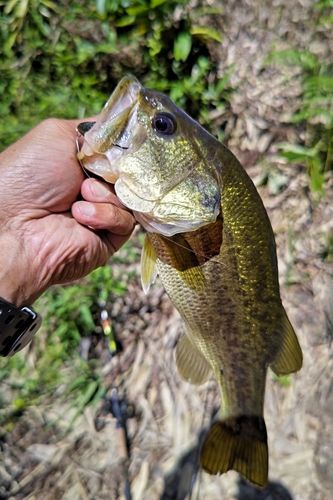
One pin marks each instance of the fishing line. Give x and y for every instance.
(197, 471)
(78, 149)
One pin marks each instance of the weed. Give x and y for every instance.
(69, 312)
(283, 380)
(66, 58)
(315, 111)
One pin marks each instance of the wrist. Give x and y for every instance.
(16, 283)
(18, 322)
(17, 327)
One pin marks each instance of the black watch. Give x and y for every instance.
(17, 327)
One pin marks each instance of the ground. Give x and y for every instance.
(171, 416)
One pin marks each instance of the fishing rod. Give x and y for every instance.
(117, 408)
(113, 404)
(119, 415)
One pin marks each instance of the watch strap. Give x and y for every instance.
(17, 327)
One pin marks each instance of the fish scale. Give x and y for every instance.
(210, 240)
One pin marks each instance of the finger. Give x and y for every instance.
(113, 241)
(53, 127)
(99, 192)
(104, 216)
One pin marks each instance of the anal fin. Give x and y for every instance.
(191, 364)
(238, 443)
(290, 357)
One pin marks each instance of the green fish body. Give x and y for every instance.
(210, 241)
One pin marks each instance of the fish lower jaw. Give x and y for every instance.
(144, 212)
(155, 225)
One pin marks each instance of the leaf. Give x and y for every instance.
(283, 380)
(204, 32)
(101, 7)
(22, 8)
(323, 4)
(304, 59)
(182, 46)
(177, 90)
(138, 9)
(51, 5)
(43, 27)
(82, 402)
(315, 169)
(10, 41)
(295, 152)
(222, 83)
(10, 6)
(155, 3)
(125, 21)
(19, 403)
(87, 317)
(106, 48)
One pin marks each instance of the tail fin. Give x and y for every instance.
(238, 443)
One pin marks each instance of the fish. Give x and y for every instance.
(209, 238)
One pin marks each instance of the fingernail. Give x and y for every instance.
(87, 209)
(100, 190)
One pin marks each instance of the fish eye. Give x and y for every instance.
(164, 123)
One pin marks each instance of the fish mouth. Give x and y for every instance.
(125, 94)
(116, 114)
(113, 130)
(162, 204)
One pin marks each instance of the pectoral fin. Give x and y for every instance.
(177, 253)
(191, 364)
(148, 265)
(290, 357)
(186, 262)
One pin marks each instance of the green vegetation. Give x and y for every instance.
(283, 380)
(315, 111)
(63, 59)
(69, 313)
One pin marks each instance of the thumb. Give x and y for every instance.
(75, 123)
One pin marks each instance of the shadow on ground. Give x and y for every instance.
(180, 482)
(273, 491)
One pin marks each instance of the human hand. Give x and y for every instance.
(44, 233)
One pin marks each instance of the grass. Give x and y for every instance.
(69, 313)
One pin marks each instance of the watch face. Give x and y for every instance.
(17, 327)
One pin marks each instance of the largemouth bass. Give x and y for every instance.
(210, 240)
